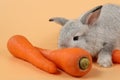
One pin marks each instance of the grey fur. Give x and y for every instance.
(61, 21)
(98, 32)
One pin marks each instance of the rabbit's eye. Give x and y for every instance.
(75, 38)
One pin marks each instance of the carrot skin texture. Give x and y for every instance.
(68, 59)
(21, 48)
(116, 56)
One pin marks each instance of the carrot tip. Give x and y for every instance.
(84, 63)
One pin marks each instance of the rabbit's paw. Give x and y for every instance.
(105, 61)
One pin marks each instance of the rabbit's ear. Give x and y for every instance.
(91, 16)
(59, 20)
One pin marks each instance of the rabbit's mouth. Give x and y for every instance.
(63, 46)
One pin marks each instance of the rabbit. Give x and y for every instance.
(97, 31)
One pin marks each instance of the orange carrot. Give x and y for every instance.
(21, 48)
(74, 61)
(116, 56)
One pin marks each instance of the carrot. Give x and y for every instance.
(116, 56)
(21, 48)
(74, 61)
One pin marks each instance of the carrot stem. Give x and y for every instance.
(84, 63)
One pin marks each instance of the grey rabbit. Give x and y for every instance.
(97, 31)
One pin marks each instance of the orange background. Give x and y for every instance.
(30, 18)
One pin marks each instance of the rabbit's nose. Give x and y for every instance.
(63, 46)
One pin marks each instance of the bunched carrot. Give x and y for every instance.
(116, 56)
(74, 61)
(21, 48)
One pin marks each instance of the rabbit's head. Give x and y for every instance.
(75, 31)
